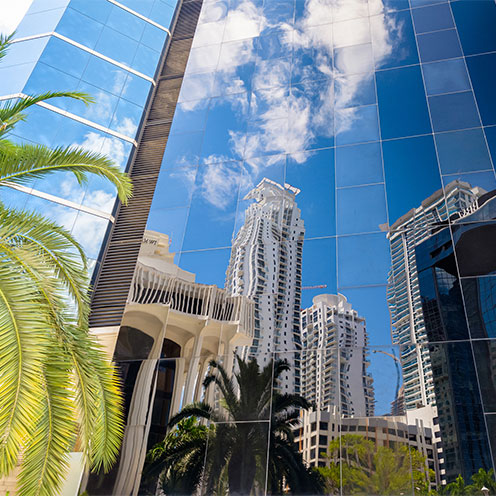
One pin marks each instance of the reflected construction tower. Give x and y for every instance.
(265, 265)
(404, 300)
(329, 322)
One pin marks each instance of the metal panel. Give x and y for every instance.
(118, 262)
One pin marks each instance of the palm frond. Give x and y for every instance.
(23, 350)
(46, 453)
(5, 41)
(25, 163)
(11, 111)
(197, 409)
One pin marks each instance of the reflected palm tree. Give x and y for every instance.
(250, 435)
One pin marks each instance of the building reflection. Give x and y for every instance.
(171, 329)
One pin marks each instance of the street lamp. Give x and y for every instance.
(485, 490)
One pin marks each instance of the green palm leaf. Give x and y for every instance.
(24, 163)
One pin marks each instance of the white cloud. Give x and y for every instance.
(109, 146)
(11, 14)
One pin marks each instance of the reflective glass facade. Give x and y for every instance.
(326, 197)
(109, 50)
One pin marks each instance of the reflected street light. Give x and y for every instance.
(485, 490)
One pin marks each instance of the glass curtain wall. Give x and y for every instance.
(109, 50)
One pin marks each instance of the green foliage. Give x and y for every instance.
(479, 480)
(56, 382)
(231, 455)
(362, 468)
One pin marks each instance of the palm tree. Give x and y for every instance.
(253, 416)
(55, 381)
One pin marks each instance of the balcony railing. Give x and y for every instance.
(151, 286)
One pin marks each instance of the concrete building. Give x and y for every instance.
(404, 299)
(265, 265)
(171, 329)
(331, 322)
(319, 428)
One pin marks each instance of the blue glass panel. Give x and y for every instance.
(126, 23)
(482, 71)
(146, 60)
(162, 13)
(26, 51)
(277, 13)
(235, 68)
(355, 90)
(40, 22)
(65, 57)
(485, 180)
(182, 149)
(101, 111)
(350, 9)
(313, 174)
(269, 104)
(196, 87)
(432, 18)
(412, 173)
(213, 206)
(13, 78)
(13, 199)
(267, 137)
(143, 7)
(311, 116)
(79, 27)
(351, 32)
(209, 33)
(43, 5)
(462, 151)
(355, 269)
(422, 3)
(171, 221)
(153, 37)
(359, 164)
(361, 209)
(44, 78)
(116, 46)
(357, 125)
(401, 93)
(225, 130)
(312, 54)
(272, 46)
(136, 89)
(354, 59)
(190, 116)
(393, 40)
(126, 118)
(174, 188)
(438, 46)
(105, 75)
(371, 304)
(475, 22)
(491, 141)
(97, 10)
(387, 6)
(446, 76)
(209, 265)
(304, 13)
(318, 268)
(203, 59)
(453, 111)
(89, 230)
(271, 73)
(40, 126)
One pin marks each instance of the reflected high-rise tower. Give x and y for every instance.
(265, 265)
(404, 300)
(329, 322)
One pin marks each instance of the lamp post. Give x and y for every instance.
(485, 490)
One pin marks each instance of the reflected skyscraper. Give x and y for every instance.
(404, 299)
(331, 321)
(265, 265)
